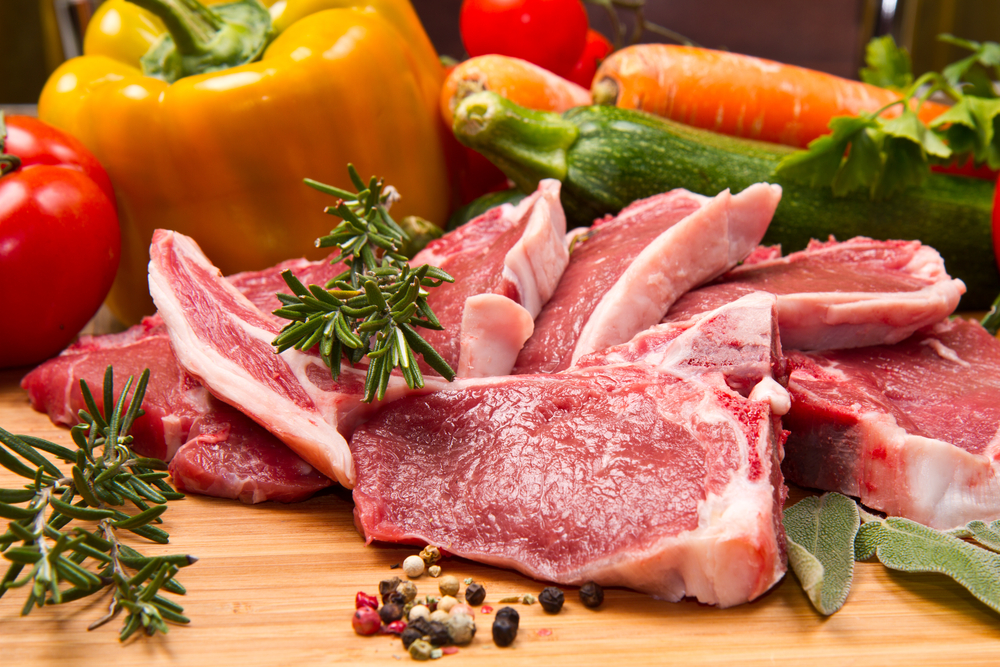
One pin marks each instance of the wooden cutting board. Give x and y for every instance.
(275, 585)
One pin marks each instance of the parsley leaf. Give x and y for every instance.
(888, 65)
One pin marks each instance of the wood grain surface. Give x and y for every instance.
(275, 585)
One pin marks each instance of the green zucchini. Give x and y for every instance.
(607, 157)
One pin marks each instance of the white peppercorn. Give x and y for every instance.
(419, 611)
(461, 628)
(446, 603)
(449, 585)
(413, 566)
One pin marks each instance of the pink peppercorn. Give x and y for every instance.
(395, 628)
(366, 621)
(362, 599)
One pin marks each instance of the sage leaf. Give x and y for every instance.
(821, 532)
(985, 534)
(908, 546)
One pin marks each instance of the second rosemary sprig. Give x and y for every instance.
(371, 309)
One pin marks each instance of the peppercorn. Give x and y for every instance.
(408, 590)
(413, 566)
(504, 630)
(461, 628)
(591, 595)
(449, 585)
(551, 599)
(390, 612)
(366, 621)
(417, 612)
(387, 586)
(430, 555)
(446, 603)
(396, 627)
(394, 597)
(420, 650)
(437, 634)
(421, 625)
(475, 594)
(362, 599)
(434, 570)
(511, 615)
(410, 635)
(438, 615)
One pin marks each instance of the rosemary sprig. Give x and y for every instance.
(371, 309)
(105, 475)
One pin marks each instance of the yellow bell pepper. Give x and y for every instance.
(221, 155)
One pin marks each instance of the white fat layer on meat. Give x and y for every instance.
(719, 234)
(924, 479)
(846, 319)
(774, 394)
(536, 262)
(305, 431)
(494, 330)
(945, 352)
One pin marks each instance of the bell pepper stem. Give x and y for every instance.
(527, 145)
(204, 40)
(8, 163)
(192, 25)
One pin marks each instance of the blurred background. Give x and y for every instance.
(36, 35)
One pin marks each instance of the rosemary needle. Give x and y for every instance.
(105, 475)
(374, 307)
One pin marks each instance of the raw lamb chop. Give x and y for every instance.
(624, 274)
(912, 429)
(213, 448)
(224, 340)
(642, 469)
(182, 423)
(839, 295)
(506, 264)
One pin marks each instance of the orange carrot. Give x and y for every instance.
(735, 94)
(518, 80)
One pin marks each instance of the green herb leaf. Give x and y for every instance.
(972, 126)
(974, 69)
(821, 532)
(908, 546)
(105, 472)
(368, 309)
(823, 161)
(888, 65)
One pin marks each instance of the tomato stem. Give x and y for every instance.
(8, 163)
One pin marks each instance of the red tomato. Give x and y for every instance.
(59, 241)
(548, 33)
(597, 49)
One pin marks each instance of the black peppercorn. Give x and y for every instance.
(437, 634)
(390, 612)
(421, 625)
(551, 599)
(510, 614)
(410, 635)
(387, 586)
(591, 595)
(504, 632)
(475, 594)
(395, 597)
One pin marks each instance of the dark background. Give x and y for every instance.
(828, 35)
